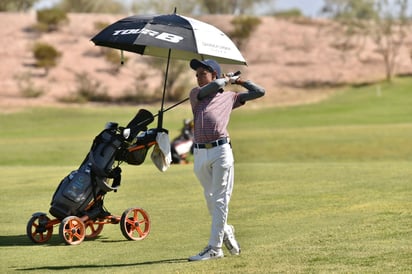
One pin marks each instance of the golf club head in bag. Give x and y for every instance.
(140, 122)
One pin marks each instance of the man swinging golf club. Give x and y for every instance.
(213, 157)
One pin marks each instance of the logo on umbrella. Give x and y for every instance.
(165, 36)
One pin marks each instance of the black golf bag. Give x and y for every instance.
(78, 191)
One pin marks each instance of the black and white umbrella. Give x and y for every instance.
(171, 36)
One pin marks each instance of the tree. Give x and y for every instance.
(385, 23)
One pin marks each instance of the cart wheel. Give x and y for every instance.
(72, 230)
(37, 229)
(92, 229)
(135, 224)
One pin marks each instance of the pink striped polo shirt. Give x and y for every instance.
(212, 114)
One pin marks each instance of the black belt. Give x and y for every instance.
(213, 144)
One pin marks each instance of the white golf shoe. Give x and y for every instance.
(209, 253)
(230, 241)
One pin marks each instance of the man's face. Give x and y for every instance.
(204, 76)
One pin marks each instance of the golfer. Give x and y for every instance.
(213, 158)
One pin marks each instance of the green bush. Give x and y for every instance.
(27, 87)
(243, 28)
(290, 13)
(87, 90)
(16, 5)
(99, 25)
(95, 6)
(50, 19)
(114, 58)
(296, 16)
(137, 94)
(46, 56)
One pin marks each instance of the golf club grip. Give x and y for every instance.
(234, 74)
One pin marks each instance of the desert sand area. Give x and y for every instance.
(296, 61)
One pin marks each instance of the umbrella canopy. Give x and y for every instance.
(171, 36)
(187, 38)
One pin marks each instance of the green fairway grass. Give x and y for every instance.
(321, 188)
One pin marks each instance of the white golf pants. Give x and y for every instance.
(214, 169)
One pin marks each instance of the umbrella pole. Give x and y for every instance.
(160, 118)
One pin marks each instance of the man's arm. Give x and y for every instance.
(253, 91)
(211, 88)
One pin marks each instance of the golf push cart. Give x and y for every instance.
(77, 203)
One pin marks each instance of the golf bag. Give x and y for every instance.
(183, 144)
(77, 191)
